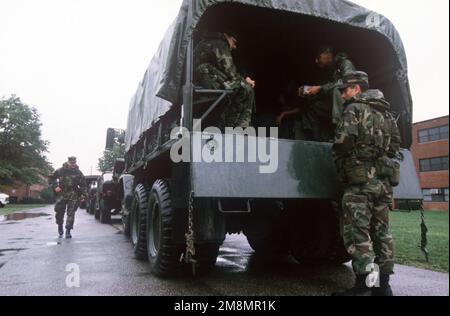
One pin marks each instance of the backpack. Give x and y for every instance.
(387, 141)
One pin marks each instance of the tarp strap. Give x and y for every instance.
(424, 231)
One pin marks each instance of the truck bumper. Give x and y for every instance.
(304, 170)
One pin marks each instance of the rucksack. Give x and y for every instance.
(387, 141)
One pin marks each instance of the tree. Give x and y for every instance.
(48, 195)
(22, 149)
(106, 163)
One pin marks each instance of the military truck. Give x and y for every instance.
(92, 196)
(91, 182)
(112, 190)
(181, 210)
(109, 193)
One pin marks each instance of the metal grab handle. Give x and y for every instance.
(249, 208)
(224, 93)
(212, 91)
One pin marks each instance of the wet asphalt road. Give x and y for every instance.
(33, 262)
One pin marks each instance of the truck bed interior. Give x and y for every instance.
(276, 48)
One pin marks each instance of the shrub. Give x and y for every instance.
(48, 196)
(30, 200)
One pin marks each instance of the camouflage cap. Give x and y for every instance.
(72, 159)
(353, 78)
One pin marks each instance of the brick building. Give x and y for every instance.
(430, 150)
(19, 190)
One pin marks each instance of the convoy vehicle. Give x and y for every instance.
(182, 210)
(107, 199)
(92, 193)
(91, 181)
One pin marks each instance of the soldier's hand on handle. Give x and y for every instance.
(58, 190)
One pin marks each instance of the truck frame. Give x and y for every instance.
(179, 213)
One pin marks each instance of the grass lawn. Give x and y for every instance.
(18, 207)
(406, 230)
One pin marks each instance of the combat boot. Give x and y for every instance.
(60, 231)
(68, 235)
(360, 288)
(385, 288)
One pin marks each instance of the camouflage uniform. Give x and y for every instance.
(343, 66)
(367, 140)
(214, 69)
(325, 109)
(73, 185)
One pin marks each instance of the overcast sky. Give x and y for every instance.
(79, 61)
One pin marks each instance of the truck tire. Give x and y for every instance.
(266, 244)
(339, 254)
(257, 243)
(335, 255)
(126, 225)
(313, 247)
(163, 253)
(97, 213)
(126, 215)
(316, 238)
(105, 213)
(138, 222)
(91, 208)
(265, 228)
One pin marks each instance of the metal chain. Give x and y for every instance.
(189, 258)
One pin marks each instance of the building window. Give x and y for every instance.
(433, 134)
(435, 195)
(434, 164)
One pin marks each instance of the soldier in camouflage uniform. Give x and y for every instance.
(214, 68)
(325, 103)
(367, 142)
(69, 185)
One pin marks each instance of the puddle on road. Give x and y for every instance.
(21, 216)
(4, 252)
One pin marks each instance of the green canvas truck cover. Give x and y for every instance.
(161, 87)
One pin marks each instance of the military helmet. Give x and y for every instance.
(353, 78)
(72, 159)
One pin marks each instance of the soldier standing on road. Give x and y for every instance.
(325, 104)
(367, 142)
(214, 68)
(69, 185)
